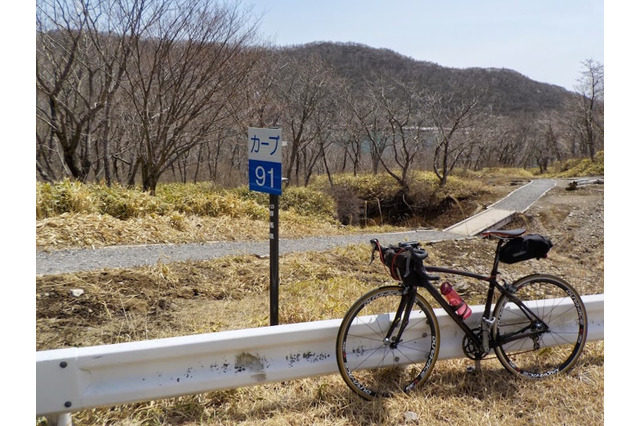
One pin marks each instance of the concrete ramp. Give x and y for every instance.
(490, 218)
(501, 213)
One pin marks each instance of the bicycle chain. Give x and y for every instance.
(470, 349)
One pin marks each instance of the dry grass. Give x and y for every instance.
(73, 215)
(96, 230)
(188, 298)
(196, 297)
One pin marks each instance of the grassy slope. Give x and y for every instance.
(197, 297)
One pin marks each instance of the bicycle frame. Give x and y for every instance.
(383, 329)
(487, 321)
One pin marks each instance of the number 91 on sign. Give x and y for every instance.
(265, 176)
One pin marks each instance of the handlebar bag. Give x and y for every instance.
(525, 248)
(399, 262)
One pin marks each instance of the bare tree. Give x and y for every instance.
(82, 49)
(452, 119)
(303, 89)
(255, 103)
(406, 127)
(260, 99)
(370, 116)
(49, 165)
(349, 140)
(589, 109)
(480, 147)
(327, 125)
(543, 146)
(59, 71)
(506, 141)
(192, 62)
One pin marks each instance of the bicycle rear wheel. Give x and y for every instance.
(556, 350)
(372, 367)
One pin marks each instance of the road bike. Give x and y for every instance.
(389, 340)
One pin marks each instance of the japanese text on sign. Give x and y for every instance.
(265, 157)
(265, 145)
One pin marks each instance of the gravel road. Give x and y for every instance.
(76, 260)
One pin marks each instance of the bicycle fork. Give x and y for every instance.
(402, 317)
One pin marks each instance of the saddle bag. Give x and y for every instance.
(525, 248)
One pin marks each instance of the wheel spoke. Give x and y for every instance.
(372, 367)
(562, 336)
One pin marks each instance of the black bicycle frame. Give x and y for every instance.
(449, 309)
(408, 300)
(404, 310)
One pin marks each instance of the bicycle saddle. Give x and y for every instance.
(504, 233)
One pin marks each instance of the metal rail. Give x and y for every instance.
(74, 379)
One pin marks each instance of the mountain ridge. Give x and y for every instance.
(507, 90)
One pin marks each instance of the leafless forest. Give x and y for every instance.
(140, 92)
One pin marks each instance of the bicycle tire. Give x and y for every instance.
(372, 368)
(553, 352)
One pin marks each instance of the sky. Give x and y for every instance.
(545, 40)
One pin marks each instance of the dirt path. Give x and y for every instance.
(77, 260)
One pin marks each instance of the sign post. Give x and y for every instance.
(265, 175)
(274, 256)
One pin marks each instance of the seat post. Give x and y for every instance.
(496, 258)
(501, 235)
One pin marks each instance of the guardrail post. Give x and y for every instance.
(60, 420)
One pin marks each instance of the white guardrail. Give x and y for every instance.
(74, 379)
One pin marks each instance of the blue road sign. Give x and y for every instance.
(265, 176)
(265, 160)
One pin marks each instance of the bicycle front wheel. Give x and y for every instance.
(554, 343)
(373, 366)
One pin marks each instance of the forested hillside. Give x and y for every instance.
(508, 91)
(139, 93)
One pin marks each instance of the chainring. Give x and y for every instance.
(470, 349)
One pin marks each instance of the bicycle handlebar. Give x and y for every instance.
(416, 252)
(417, 256)
(411, 246)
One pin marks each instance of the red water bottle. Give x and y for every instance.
(462, 309)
